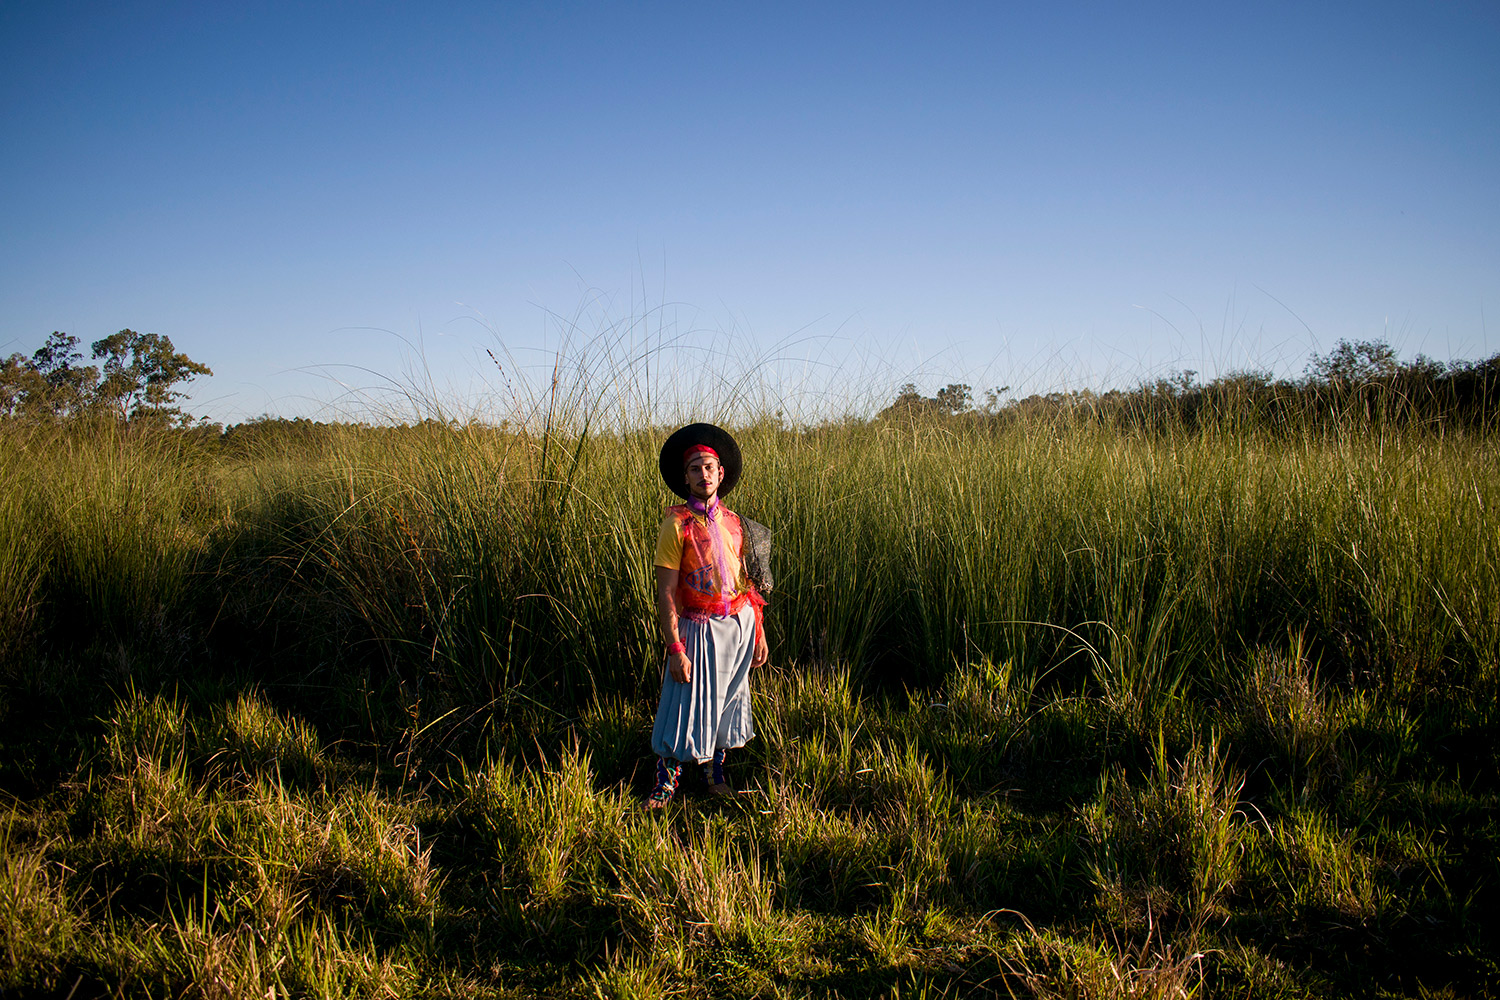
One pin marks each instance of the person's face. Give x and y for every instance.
(704, 474)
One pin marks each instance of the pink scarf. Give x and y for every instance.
(710, 511)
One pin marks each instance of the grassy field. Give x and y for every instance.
(1055, 709)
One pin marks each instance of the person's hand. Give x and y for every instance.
(681, 667)
(762, 651)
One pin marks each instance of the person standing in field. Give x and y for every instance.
(709, 611)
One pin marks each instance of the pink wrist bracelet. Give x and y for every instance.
(676, 647)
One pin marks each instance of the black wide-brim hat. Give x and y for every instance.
(717, 438)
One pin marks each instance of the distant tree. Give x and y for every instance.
(70, 385)
(908, 396)
(954, 398)
(992, 397)
(49, 383)
(139, 381)
(141, 372)
(19, 383)
(950, 399)
(1350, 363)
(1423, 368)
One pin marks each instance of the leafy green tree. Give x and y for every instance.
(955, 398)
(1350, 364)
(70, 385)
(141, 373)
(19, 385)
(140, 379)
(50, 383)
(951, 399)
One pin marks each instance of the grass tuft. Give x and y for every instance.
(1171, 846)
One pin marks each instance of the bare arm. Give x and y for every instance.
(666, 621)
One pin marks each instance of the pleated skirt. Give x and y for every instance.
(712, 710)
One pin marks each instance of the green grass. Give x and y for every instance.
(1054, 709)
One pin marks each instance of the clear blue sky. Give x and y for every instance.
(1030, 194)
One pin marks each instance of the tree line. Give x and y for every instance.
(1356, 383)
(139, 378)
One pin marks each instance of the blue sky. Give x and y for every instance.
(314, 197)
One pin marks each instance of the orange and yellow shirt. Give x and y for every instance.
(686, 544)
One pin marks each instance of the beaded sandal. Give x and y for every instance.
(713, 774)
(668, 773)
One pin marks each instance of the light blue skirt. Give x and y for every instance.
(712, 710)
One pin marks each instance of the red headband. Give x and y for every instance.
(695, 449)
